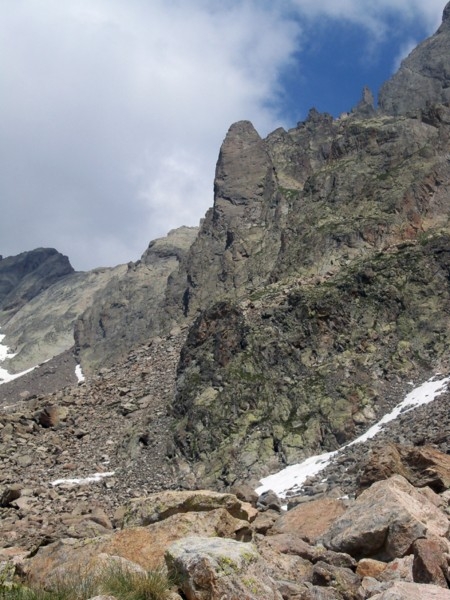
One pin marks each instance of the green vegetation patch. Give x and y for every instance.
(122, 583)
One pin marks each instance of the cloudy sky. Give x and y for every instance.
(113, 111)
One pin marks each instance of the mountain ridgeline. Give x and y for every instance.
(316, 287)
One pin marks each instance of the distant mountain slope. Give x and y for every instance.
(24, 276)
(43, 327)
(130, 309)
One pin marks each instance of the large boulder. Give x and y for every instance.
(420, 465)
(144, 546)
(430, 564)
(402, 590)
(160, 506)
(213, 569)
(310, 520)
(385, 521)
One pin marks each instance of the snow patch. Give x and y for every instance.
(79, 374)
(421, 395)
(291, 479)
(96, 477)
(5, 376)
(4, 354)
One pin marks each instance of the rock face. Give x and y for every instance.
(130, 308)
(43, 327)
(24, 276)
(305, 367)
(238, 239)
(212, 569)
(424, 76)
(314, 278)
(385, 521)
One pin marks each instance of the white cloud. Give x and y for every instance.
(113, 112)
(374, 15)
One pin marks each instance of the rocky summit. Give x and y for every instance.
(313, 299)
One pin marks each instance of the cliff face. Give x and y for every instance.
(424, 76)
(316, 288)
(239, 237)
(326, 253)
(130, 310)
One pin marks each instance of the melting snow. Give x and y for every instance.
(4, 354)
(82, 480)
(292, 478)
(79, 374)
(5, 376)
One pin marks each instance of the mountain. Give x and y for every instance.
(423, 78)
(315, 288)
(23, 277)
(309, 305)
(130, 308)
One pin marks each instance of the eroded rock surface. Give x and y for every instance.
(385, 521)
(423, 78)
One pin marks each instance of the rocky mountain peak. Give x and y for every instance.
(24, 276)
(446, 13)
(242, 166)
(365, 106)
(424, 76)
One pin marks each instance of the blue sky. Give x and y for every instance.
(113, 112)
(332, 69)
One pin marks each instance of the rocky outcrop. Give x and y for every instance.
(42, 328)
(25, 276)
(147, 510)
(129, 310)
(421, 466)
(300, 370)
(142, 544)
(238, 239)
(213, 569)
(424, 76)
(386, 521)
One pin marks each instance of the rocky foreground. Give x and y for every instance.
(336, 541)
(390, 543)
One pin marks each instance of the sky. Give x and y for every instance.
(112, 112)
